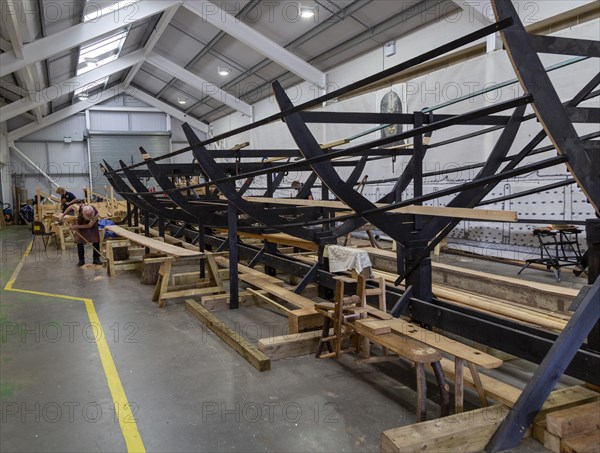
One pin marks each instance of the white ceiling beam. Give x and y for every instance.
(154, 37)
(207, 88)
(166, 108)
(68, 86)
(249, 36)
(27, 79)
(13, 88)
(11, 12)
(78, 34)
(5, 45)
(11, 19)
(65, 113)
(29, 116)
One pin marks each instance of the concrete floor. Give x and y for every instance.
(188, 390)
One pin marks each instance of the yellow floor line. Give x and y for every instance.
(129, 428)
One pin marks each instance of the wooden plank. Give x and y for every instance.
(552, 442)
(438, 211)
(152, 243)
(554, 289)
(278, 238)
(213, 270)
(255, 357)
(190, 292)
(490, 305)
(583, 443)
(291, 345)
(575, 420)
(267, 299)
(221, 302)
(288, 296)
(191, 277)
(374, 327)
(538, 430)
(457, 349)
(408, 348)
(224, 262)
(304, 319)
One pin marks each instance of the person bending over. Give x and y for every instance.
(66, 198)
(86, 231)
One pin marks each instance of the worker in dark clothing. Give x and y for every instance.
(297, 185)
(66, 198)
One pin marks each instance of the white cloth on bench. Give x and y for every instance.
(346, 258)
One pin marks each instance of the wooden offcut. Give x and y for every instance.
(464, 432)
(470, 431)
(583, 443)
(291, 345)
(240, 345)
(575, 420)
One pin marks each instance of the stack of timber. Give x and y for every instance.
(471, 431)
(571, 430)
(543, 296)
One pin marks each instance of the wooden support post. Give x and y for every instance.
(421, 392)
(478, 384)
(233, 256)
(110, 259)
(129, 214)
(201, 246)
(459, 389)
(146, 229)
(162, 285)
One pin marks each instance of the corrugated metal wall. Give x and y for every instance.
(113, 147)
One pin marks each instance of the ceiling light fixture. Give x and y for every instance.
(306, 12)
(223, 71)
(182, 101)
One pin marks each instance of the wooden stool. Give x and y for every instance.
(344, 309)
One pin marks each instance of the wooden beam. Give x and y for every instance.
(291, 345)
(240, 345)
(575, 420)
(152, 243)
(438, 211)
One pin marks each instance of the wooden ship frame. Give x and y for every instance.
(194, 211)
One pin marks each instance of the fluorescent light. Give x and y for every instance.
(93, 13)
(223, 71)
(306, 12)
(182, 101)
